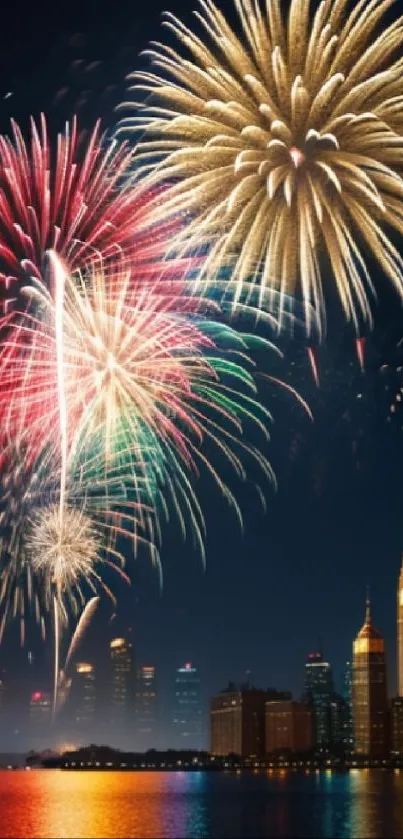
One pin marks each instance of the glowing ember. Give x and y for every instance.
(297, 156)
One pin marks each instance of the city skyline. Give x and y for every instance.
(337, 514)
(201, 419)
(126, 701)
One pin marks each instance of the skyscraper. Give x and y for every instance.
(400, 633)
(187, 721)
(122, 684)
(146, 709)
(83, 695)
(318, 691)
(348, 726)
(369, 690)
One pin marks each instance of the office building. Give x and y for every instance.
(187, 719)
(237, 721)
(369, 690)
(396, 726)
(122, 682)
(347, 694)
(147, 734)
(288, 727)
(339, 716)
(318, 690)
(83, 694)
(400, 633)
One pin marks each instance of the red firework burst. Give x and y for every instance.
(76, 199)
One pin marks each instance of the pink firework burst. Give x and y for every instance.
(76, 199)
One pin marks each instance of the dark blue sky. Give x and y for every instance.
(297, 576)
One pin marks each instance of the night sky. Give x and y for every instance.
(296, 577)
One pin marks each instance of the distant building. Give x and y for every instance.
(237, 720)
(400, 633)
(187, 720)
(318, 690)
(40, 709)
(83, 694)
(348, 698)
(146, 709)
(369, 690)
(122, 683)
(396, 726)
(339, 719)
(288, 727)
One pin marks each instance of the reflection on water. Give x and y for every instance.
(99, 805)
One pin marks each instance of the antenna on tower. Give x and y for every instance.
(368, 605)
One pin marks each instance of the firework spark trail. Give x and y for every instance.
(80, 630)
(59, 282)
(282, 143)
(64, 681)
(56, 636)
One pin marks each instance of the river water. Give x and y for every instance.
(99, 805)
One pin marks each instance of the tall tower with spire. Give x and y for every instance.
(369, 690)
(400, 633)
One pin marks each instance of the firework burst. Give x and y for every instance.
(61, 555)
(148, 379)
(73, 199)
(44, 556)
(283, 144)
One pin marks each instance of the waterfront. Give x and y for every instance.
(49, 803)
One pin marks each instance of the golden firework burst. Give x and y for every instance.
(283, 143)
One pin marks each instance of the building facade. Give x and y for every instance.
(396, 726)
(147, 734)
(348, 698)
(84, 695)
(237, 723)
(339, 723)
(400, 633)
(369, 691)
(187, 718)
(318, 692)
(288, 727)
(122, 684)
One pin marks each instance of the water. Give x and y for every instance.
(99, 805)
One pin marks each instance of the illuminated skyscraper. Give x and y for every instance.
(122, 682)
(187, 722)
(83, 694)
(146, 709)
(318, 691)
(400, 633)
(369, 690)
